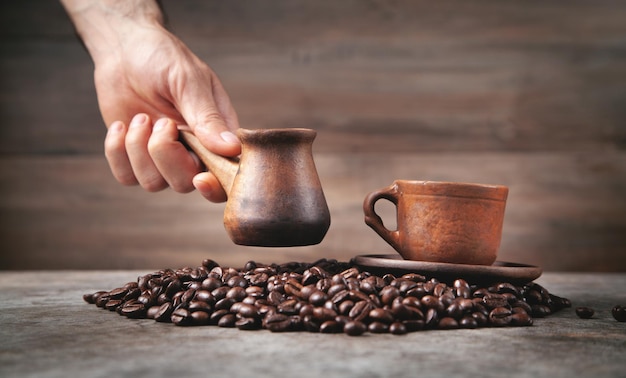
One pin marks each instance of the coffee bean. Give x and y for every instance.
(248, 324)
(330, 326)
(521, 319)
(500, 317)
(381, 315)
(318, 297)
(112, 304)
(200, 318)
(584, 312)
(277, 322)
(619, 313)
(378, 327)
(448, 323)
(354, 328)
(397, 328)
(360, 310)
(388, 294)
(181, 317)
(164, 313)
(468, 322)
(227, 321)
(540, 311)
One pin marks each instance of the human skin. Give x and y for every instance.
(149, 84)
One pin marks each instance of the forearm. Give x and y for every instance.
(104, 24)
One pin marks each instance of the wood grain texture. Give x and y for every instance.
(529, 95)
(69, 213)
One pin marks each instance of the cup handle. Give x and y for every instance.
(373, 220)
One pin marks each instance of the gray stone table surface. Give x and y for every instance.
(46, 330)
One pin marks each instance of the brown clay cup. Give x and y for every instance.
(445, 222)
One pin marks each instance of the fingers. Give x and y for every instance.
(209, 187)
(144, 168)
(115, 153)
(171, 158)
(153, 157)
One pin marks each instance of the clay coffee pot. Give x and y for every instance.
(275, 197)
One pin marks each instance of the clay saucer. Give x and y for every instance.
(498, 272)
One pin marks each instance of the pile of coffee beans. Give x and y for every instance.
(326, 296)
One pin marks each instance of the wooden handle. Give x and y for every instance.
(225, 169)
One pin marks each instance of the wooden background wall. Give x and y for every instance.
(527, 94)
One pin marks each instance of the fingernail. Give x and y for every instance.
(160, 124)
(229, 137)
(138, 120)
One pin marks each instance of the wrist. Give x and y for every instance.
(105, 25)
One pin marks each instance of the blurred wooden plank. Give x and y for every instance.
(566, 211)
(403, 76)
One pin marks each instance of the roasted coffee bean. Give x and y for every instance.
(188, 295)
(306, 291)
(322, 314)
(388, 294)
(236, 293)
(324, 284)
(237, 281)
(378, 327)
(248, 311)
(289, 307)
(468, 322)
(152, 311)
(133, 293)
(360, 310)
(210, 284)
(540, 311)
(619, 313)
(345, 307)
(521, 319)
(432, 302)
(248, 324)
(397, 328)
(354, 328)
(227, 321)
(448, 323)
(134, 311)
(118, 293)
(431, 318)
(584, 312)
(217, 315)
(318, 297)
(224, 304)
(381, 315)
(500, 317)
(277, 322)
(181, 317)
(413, 325)
(199, 306)
(493, 300)
(533, 297)
(200, 318)
(209, 264)
(164, 313)
(220, 292)
(334, 290)
(102, 299)
(112, 304)
(91, 298)
(330, 326)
